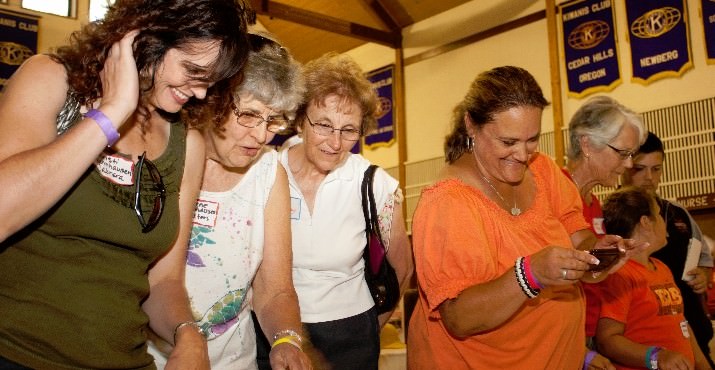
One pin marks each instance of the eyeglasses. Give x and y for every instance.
(158, 187)
(249, 119)
(622, 153)
(349, 134)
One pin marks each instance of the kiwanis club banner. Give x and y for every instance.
(382, 81)
(590, 47)
(708, 11)
(18, 41)
(659, 39)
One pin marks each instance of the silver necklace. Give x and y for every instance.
(515, 210)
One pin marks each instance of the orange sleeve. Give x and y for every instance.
(451, 246)
(563, 195)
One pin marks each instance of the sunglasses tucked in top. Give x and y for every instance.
(157, 187)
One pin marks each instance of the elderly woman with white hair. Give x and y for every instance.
(240, 254)
(604, 136)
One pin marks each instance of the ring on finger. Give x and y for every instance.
(563, 273)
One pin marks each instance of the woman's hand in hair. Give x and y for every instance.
(120, 81)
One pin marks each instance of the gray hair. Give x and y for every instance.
(272, 76)
(600, 120)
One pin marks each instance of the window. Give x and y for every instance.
(58, 7)
(98, 8)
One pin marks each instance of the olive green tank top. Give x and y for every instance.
(72, 282)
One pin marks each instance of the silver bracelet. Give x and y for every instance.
(186, 323)
(288, 333)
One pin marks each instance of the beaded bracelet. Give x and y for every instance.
(185, 323)
(522, 279)
(105, 124)
(530, 277)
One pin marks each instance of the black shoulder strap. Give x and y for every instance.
(369, 208)
(365, 199)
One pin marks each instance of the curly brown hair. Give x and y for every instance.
(162, 25)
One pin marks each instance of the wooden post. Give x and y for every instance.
(401, 132)
(555, 69)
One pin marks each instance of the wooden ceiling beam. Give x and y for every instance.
(320, 21)
(391, 12)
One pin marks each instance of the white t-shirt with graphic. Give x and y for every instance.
(225, 251)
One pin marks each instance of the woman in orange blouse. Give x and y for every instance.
(494, 239)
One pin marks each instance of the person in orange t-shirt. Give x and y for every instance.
(498, 275)
(642, 323)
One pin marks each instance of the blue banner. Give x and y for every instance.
(18, 41)
(708, 12)
(357, 148)
(385, 134)
(658, 34)
(590, 48)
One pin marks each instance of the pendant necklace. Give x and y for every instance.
(515, 210)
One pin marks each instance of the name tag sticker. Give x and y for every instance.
(295, 208)
(115, 168)
(206, 213)
(598, 226)
(684, 329)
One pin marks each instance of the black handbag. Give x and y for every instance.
(380, 276)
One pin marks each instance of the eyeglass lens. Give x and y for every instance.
(623, 153)
(251, 120)
(325, 130)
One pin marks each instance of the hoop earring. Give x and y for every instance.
(470, 143)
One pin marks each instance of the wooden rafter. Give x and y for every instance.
(391, 12)
(320, 21)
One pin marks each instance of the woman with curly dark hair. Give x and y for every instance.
(104, 178)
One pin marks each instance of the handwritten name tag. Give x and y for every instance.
(115, 168)
(206, 213)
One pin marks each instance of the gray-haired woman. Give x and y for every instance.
(604, 136)
(240, 252)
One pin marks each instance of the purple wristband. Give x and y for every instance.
(105, 124)
(589, 357)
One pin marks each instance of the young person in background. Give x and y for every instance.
(642, 323)
(646, 174)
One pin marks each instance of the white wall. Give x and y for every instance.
(434, 86)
